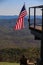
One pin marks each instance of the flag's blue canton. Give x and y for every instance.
(23, 8)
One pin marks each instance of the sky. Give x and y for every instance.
(13, 7)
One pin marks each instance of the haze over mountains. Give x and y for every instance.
(16, 16)
(9, 38)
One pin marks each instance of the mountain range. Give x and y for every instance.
(16, 16)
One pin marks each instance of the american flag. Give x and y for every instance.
(20, 21)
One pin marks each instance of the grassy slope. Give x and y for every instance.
(7, 63)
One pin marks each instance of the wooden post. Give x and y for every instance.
(34, 17)
(42, 41)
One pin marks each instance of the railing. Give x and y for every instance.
(36, 21)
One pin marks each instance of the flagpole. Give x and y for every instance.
(24, 3)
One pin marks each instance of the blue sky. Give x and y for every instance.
(13, 7)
